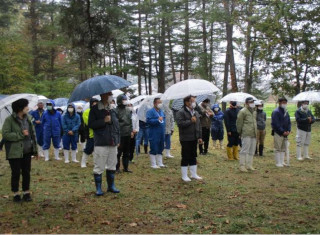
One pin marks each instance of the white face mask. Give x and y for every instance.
(159, 106)
(110, 98)
(252, 105)
(193, 105)
(305, 106)
(284, 106)
(125, 102)
(70, 110)
(112, 106)
(25, 110)
(216, 109)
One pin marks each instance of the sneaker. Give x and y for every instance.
(26, 197)
(17, 198)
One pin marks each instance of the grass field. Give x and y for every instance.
(269, 200)
(269, 107)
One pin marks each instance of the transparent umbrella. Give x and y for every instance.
(311, 96)
(145, 105)
(237, 96)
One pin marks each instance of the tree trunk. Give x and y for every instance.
(204, 40)
(171, 55)
(247, 80)
(161, 78)
(34, 36)
(150, 56)
(186, 42)
(225, 77)
(139, 49)
(211, 78)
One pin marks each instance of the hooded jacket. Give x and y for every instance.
(230, 119)
(51, 121)
(302, 119)
(217, 119)
(124, 115)
(156, 128)
(280, 121)
(71, 122)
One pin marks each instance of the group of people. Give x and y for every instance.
(113, 132)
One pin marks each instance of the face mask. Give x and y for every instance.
(234, 104)
(193, 105)
(260, 108)
(252, 105)
(70, 110)
(159, 106)
(305, 106)
(49, 108)
(284, 106)
(25, 110)
(79, 110)
(125, 102)
(216, 109)
(112, 106)
(110, 98)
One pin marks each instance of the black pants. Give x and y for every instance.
(233, 139)
(132, 147)
(18, 166)
(124, 150)
(205, 139)
(189, 153)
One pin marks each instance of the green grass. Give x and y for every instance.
(269, 107)
(270, 200)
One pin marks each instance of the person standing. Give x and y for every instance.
(281, 128)
(261, 126)
(217, 131)
(20, 143)
(52, 129)
(70, 125)
(135, 131)
(104, 122)
(169, 129)
(37, 122)
(230, 120)
(81, 132)
(205, 119)
(305, 119)
(157, 124)
(188, 121)
(88, 150)
(125, 122)
(247, 129)
(143, 135)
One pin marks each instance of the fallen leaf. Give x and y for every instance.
(181, 206)
(133, 225)
(106, 222)
(5, 196)
(219, 216)
(227, 221)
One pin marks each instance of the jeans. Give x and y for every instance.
(167, 141)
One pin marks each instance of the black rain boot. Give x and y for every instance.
(98, 181)
(201, 149)
(118, 163)
(256, 152)
(110, 180)
(125, 163)
(146, 149)
(261, 150)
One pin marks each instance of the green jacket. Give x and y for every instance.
(124, 116)
(247, 122)
(12, 134)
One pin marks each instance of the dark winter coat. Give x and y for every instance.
(280, 121)
(230, 119)
(303, 121)
(188, 131)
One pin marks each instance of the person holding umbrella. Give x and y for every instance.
(281, 129)
(126, 132)
(20, 142)
(105, 124)
(190, 134)
(247, 129)
(70, 125)
(37, 116)
(157, 124)
(230, 120)
(52, 129)
(305, 119)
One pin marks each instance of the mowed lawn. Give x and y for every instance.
(269, 200)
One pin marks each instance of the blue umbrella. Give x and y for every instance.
(98, 85)
(178, 103)
(59, 102)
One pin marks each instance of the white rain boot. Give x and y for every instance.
(168, 155)
(153, 162)
(282, 155)
(56, 154)
(74, 156)
(40, 151)
(159, 161)
(66, 156)
(299, 158)
(250, 163)
(84, 160)
(193, 171)
(83, 146)
(306, 152)
(221, 144)
(278, 159)
(184, 173)
(243, 163)
(46, 155)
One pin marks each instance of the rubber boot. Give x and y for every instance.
(84, 160)
(46, 155)
(235, 152)
(282, 154)
(201, 149)
(56, 154)
(153, 162)
(278, 159)
(66, 156)
(74, 156)
(125, 163)
(98, 182)
(145, 149)
(159, 161)
(249, 162)
(243, 163)
(110, 181)
(168, 155)
(299, 158)
(230, 153)
(184, 174)
(261, 150)
(221, 144)
(40, 151)
(306, 152)
(193, 171)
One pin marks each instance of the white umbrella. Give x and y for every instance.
(188, 87)
(137, 100)
(237, 96)
(5, 104)
(145, 105)
(311, 96)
